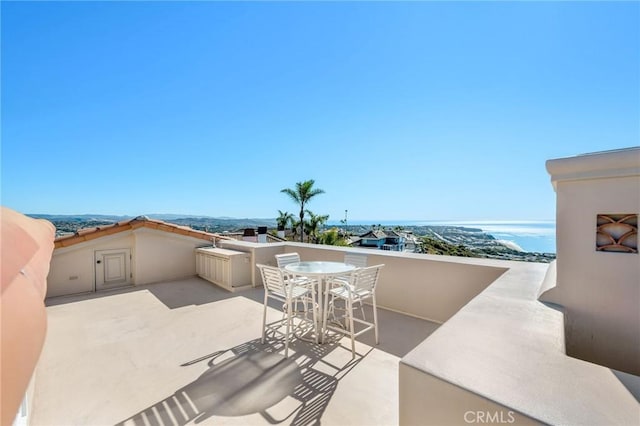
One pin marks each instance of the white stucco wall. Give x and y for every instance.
(162, 256)
(428, 400)
(503, 355)
(73, 268)
(425, 286)
(600, 291)
(156, 256)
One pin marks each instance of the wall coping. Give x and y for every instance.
(508, 347)
(607, 164)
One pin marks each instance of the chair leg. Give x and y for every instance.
(314, 314)
(375, 317)
(305, 307)
(331, 308)
(325, 314)
(325, 307)
(264, 317)
(351, 328)
(286, 336)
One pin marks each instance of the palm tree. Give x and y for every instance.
(294, 228)
(312, 225)
(303, 192)
(283, 219)
(332, 238)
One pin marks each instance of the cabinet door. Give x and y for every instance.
(211, 268)
(221, 273)
(216, 274)
(204, 266)
(226, 279)
(199, 269)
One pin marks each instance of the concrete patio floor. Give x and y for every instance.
(187, 352)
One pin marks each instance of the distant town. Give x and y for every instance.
(428, 239)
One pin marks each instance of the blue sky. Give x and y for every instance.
(427, 110)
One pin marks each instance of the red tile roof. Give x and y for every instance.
(87, 234)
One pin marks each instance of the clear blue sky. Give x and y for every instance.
(430, 110)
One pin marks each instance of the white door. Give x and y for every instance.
(113, 268)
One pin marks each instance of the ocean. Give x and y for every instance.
(533, 236)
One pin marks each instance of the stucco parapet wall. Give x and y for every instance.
(89, 234)
(607, 164)
(26, 247)
(508, 347)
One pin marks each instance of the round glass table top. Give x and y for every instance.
(320, 268)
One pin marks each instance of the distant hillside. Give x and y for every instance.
(430, 245)
(214, 224)
(79, 217)
(66, 224)
(443, 240)
(159, 216)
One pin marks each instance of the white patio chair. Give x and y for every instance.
(277, 288)
(361, 287)
(358, 260)
(287, 259)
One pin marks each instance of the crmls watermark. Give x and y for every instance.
(489, 417)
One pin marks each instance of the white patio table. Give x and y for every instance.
(322, 271)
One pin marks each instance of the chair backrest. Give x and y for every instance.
(272, 278)
(286, 259)
(366, 279)
(356, 259)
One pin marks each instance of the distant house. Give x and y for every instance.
(394, 241)
(383, 240)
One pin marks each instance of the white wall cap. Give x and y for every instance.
(607, 164)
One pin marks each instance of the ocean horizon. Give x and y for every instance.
(528, 235)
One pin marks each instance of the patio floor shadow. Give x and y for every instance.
(187, 352)
(253, 378)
